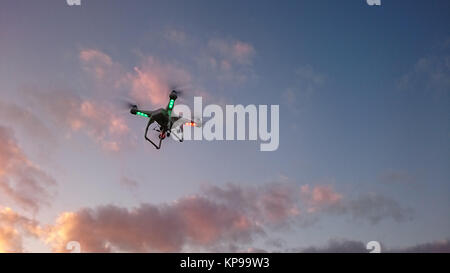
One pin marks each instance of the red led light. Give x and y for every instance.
(190, 124)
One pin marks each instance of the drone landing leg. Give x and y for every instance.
(182, 135)
(146, 131)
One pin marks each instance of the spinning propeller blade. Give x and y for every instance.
(126, 104)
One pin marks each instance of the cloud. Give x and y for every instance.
(270, 204)
(129, 184)
(216, 217)
(217, 62)
(352, 246)
(338, 246)
(442, 246)
(307, 81)
(152, 81)
(26, 120)
(229, 61)
(319, 197)
(95, 56)
(96, 119)
(276, 203)
(12, 229)
(100, 65)
(194, 220)
(227, 218)
(170, 227)
(430, 73)
(21, 180)
(149, 82)
(311, 78)
(398, 177)
(176, 36)
(374, 208)
(232, 51)
(370, 207)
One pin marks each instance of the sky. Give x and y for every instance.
(363, 155)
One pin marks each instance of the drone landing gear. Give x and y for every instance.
(180, 139)
(161, 136)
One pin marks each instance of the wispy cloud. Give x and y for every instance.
(307, 81)
(102, 68)
(398, 177)
(129, 184)
(374, 208)
(175, 35)
(21, 180)
(98, 120)
(232, 51)
(430, 73)
(231, 61)
(28, 125)
(152, 80)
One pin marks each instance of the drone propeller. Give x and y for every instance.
(180, 90)
(126, 104)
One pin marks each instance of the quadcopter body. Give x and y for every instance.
(165, 121)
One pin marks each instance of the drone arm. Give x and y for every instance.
(150, 121)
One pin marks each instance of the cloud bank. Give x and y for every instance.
(217, 216)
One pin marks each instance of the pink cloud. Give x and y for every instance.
(242, 50)
(149, 82)
(152, 81)
(232, 216)
(233, 51)
(279, 203)
(98, 120)
(322, 194)
(13, 227)
(96, 62)
(25, 120)
(274, 203)
(92, 55)
(319, 197)
(21, 180)
(194, 221)
(230, 60)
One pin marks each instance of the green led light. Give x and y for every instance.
(171, 103)
(141, 114)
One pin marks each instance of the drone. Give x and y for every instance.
(166, 123)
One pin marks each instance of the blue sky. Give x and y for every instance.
(364, 115)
